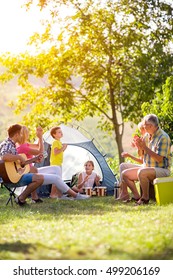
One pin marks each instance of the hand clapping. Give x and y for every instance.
(140, 143)
(39, 131)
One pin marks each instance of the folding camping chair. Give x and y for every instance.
(11, 192)
(11, 189)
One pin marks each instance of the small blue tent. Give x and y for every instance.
(80, 149)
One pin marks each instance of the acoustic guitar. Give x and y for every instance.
(11, 172)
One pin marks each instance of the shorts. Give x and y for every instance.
(26, 179)
(162, 172)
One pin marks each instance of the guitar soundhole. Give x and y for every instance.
(20, 171)
(15, 166)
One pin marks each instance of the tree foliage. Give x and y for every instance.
(162, 106)
(104, 58)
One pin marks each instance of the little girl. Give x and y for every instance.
(87, 178)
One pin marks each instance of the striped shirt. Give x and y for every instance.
(8, 147)
(160, 143)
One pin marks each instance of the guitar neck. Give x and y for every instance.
(30, 161)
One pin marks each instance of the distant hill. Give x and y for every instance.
(11, 90)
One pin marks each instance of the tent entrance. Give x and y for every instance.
(80, 149)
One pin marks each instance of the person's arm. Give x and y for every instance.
(36, 149)
(81, 182)
(125, 154)
(12, 158)
(154, 155)
(39, 133)
(60, 150)
(142, 145)
(97, 180)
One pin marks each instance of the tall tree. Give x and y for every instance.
(106, 59)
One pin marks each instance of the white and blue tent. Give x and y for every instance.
(80, 149)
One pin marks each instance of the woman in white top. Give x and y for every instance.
(87, 178)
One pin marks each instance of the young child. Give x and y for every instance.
(56, 156)
(87, 178)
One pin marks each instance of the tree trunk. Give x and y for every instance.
(118, 139)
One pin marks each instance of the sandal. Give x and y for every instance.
(20, 203)
(142, 201)
(131, 200)
(125, 197)
(37, 200)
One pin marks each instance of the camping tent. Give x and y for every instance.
(80, 149)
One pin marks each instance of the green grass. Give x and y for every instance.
(99, 228)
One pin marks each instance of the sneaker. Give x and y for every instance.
(39, 200)
(81, 196)
(64, 197)
(19, 202)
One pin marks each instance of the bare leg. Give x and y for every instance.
(74, 188)
(37, 181)
(72, 193)
(145, 176)
(55, 193)
(34, 194)
(129, 177)
(124, 192)
(123, 187)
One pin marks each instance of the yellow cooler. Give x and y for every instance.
(163, 190)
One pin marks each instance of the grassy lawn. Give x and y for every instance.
(99, 228)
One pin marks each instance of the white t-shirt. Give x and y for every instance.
(90, 182)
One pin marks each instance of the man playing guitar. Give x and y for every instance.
(8, 153)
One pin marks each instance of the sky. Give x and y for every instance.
(17, 25)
